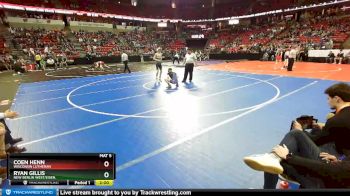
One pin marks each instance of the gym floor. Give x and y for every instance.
(194, 136)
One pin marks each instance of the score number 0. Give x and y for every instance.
(106, 164)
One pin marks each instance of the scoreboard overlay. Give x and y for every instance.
(61, 168)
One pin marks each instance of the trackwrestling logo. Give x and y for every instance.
(22, 192)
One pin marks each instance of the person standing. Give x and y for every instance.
(190, 60)
(176, 58)
(286, 58)
(278, 57)
(125, 60)
(37, 60)
(291, 58)
(158, 57)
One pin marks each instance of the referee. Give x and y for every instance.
(291, 58)
(190, 60)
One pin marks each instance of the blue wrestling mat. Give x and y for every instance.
(192, 137)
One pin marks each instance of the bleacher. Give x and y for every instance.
(177, 45)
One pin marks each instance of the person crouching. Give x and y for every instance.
(171, 78)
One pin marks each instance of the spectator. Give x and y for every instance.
(37, 60)
(331, 56)
(304, 162)
(339, 57)
(9, 140)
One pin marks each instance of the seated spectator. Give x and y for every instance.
(3, 155)
(88, 56)
(20, 66)
(62, 60)
(339, 57)
(2, 142)
(43, 63)
(330, 58)
(347, 57)
(51, 62)
(300, 156)
(265, 57)
(9, 140)
(330, 172)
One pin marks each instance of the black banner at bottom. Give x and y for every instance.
(178, 192)
(116, 192)
(144, 192)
